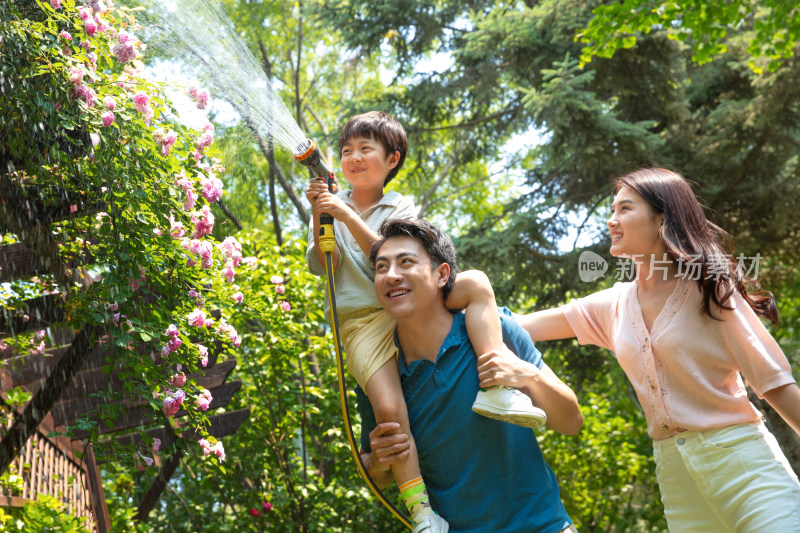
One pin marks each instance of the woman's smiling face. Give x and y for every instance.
(634, 227)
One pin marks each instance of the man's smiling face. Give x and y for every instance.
(405, 280)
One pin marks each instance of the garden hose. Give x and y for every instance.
(310, 157)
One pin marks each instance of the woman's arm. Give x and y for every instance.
(546, 325)
(786, 400)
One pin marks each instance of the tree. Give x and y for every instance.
(515, 71)
(772, 36)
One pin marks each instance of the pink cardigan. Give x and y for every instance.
(686, 370)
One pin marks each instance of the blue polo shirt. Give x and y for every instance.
(482, 475)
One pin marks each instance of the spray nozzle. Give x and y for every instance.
(304, 150)
(307, 154)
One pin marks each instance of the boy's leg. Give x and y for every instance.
(386, 396)
(473, 291)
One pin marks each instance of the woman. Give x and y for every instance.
(683, 331)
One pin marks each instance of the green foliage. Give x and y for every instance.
(44, 514)
(291, 452)
(613, 445)
(773, 28)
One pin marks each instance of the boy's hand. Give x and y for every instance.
(315, 188)
(331, 204)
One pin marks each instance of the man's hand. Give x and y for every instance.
(389, 445)
(503, 367)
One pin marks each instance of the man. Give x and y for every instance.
(481, 474)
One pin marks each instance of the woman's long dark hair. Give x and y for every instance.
(692, 239)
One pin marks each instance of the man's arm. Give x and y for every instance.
(527, 371)
(551, 394)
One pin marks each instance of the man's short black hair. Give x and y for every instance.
(436, 242)
(381, 127)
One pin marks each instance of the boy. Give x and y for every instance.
(372, 149)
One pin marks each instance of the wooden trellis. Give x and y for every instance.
(63, 379)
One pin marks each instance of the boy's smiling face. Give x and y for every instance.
(365, 164)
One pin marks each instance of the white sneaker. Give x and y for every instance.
(432, 524)
(509, 405)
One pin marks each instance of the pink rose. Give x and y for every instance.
(170, 406)
(276, 279)
(190, 200)
(285, 305)
(204, 399)
(142, 462)
(124, 37)
(176, 228)
(202, 98)
(102, 25)
(108, 118)
(204, 141)
(250, 261)
(211, 188)
(173, 344)
(140, 100)
(65, 35)
(75, 75)
(218, 450)
(205, 250)
(172, 331)
(231, 249)
(203, 355)
(124, 52)
(197, 318)
(280, 289)
(228, 272)
(156, 445)
(203, 221)
(85, 13)
(205, 445)
(90, 26)
(238, 297)
(55, 4)
(110, 103)
(178, 380)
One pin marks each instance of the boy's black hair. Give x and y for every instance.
(381, 127)
(436, 242)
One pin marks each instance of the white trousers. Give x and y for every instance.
(727, 480)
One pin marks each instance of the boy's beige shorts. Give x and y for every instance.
(368, 340)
